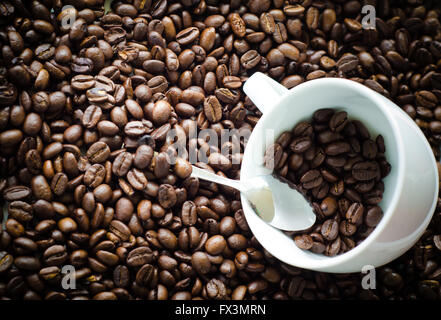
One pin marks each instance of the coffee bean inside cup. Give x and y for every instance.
(339, 168)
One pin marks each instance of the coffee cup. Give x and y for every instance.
(410, 189)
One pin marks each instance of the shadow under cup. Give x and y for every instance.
(298, 105)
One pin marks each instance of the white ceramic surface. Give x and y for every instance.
(411, 188)
(275, 202)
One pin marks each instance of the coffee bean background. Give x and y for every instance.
(85, 108)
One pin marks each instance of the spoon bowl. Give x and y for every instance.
(274, 201)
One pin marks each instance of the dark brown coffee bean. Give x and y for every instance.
(237, 25)
(364, 171)
(347, 63)
(6, 261)
(189, 213)
(369, 149)
(16, 193)
(94, 175)
(167, 239)
(373, 216)
(134, 129)
(201, 262)
(215, 245)
(122, 163)
(161, 112)
(333, 248)
(55, 255)
(143, 156)
(212, 109)
(337, 148)
(121, 276)
(273, 155)
(59, 183)
(98, 152)
(426, 99)
(338, 121)
(328, 206)
(140, 256)
(301, 144)
(67, 225)
(144, 276)
(187, 36)
(355, 213)
(137, 179)
(167, 196)
(304, 242)
(329, 229)
(250, 59)
(27, 263)
(267, 23)
(323, 115)
(347, 229)
(120, 230)
(311, 179)
(20, 211)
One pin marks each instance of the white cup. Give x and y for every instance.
(411, 188)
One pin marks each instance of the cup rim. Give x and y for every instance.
(376, 99)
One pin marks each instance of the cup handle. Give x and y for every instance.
(263, 91)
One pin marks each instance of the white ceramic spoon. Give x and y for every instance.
(274, 201)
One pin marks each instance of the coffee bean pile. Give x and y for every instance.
(87, 98)
(336, 165)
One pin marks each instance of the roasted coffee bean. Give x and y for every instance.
(336, 148)
(187, 36)
(122, 163)
(98, 152)
(364, 171)
(237, 25)
(120, 230)
(328, 206)
(59, 183)
(140, 256)
(121, 276)
(369, 149)
(167, 196)
(6, 261)
(143, 156)
(20, 211)
(338, 121)
(355, 213)
(311, 179)
(55, 255)
(94, 175)
(167, 239)
(250, 59)
(145, 275)
(273, 155)
(329, 229)
(201, 262)
(301, 144)
(304, 242)
(16, 193)
(212, 109)
(373, 216)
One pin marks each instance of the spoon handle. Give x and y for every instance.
(206, 175)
